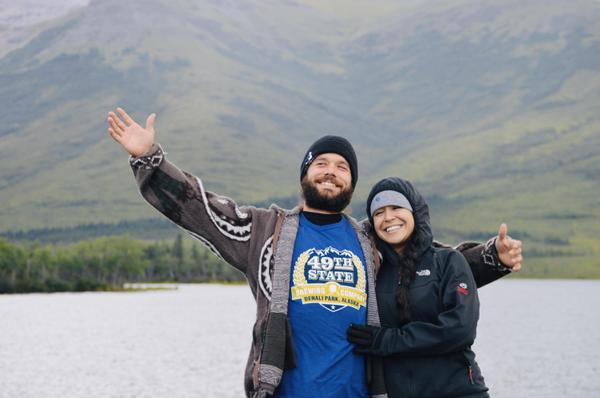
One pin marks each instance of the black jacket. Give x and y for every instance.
(431, 355)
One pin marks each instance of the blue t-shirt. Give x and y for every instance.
(328, 292)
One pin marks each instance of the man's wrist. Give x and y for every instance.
(490, 257)
(149, 160)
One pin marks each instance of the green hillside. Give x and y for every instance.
(490, 107)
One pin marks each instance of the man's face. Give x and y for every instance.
(327, 184)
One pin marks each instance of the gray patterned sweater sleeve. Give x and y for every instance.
(483, 260)
(215, 220)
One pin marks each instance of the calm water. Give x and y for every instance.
(535, 339)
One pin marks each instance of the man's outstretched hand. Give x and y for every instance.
(509, 249)
(134, 138)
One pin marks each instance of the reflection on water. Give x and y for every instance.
(535, 339)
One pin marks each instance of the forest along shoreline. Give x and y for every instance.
(163, 255)
(116, 263)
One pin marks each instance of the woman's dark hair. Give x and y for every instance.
(421, 239)
(408, 261)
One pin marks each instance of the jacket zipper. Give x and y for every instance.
(469, 369)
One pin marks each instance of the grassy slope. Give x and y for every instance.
(489, 108)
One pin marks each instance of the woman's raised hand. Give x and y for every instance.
(134, 138)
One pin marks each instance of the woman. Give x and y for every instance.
(427, 300)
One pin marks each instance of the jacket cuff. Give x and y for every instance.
(489, 254)
(149, 160)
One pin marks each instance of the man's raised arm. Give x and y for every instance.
(215, 220)
(494, 259)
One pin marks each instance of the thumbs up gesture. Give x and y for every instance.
(134, 138)
(509, 249)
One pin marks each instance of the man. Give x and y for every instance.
(309, 268)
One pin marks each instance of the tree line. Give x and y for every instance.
(106, 263)
(148, 229)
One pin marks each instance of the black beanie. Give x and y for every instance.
(331, 144)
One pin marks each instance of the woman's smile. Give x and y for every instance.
(394, 225)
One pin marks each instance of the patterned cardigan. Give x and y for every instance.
(259, 243)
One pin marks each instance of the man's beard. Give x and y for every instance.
(316, 200)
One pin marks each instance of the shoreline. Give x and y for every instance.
(173, 286)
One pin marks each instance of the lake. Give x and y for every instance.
(535, 339)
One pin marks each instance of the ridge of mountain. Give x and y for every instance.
(490, 107)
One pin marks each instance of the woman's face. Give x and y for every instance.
(394, 225)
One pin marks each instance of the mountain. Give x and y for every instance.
(490, 107)
(21, 21)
